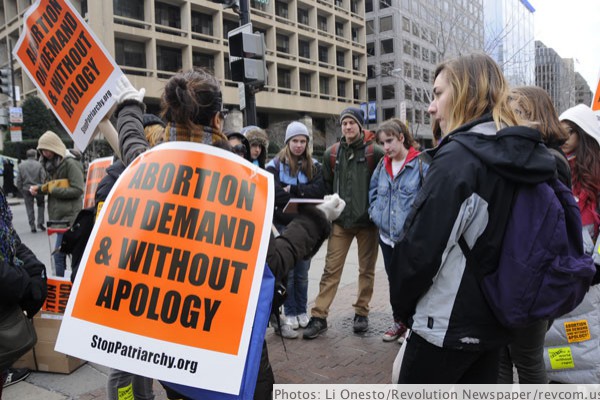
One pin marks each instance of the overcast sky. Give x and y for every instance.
(572, 28)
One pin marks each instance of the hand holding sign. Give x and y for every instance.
(126, 91)
(332, 206)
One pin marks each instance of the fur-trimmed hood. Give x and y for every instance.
(257, 135)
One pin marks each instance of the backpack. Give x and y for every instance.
(369, 150)
(542, 272)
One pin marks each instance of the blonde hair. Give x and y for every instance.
(537, 111)
(478, 87)
(155, 134)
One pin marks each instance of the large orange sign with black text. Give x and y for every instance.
(68, 65)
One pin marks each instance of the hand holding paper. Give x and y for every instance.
(332, 206)
(126, 91)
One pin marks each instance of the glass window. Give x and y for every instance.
(281, 9)
(406, 47)
(229, 25)
(407, 70)
(202, 23)
(339, 58)
(323, 54)
(303, 48)
(324, 84)
(168, 15)
(284, 78)
(305, 81)
(408, 92)
(370, 25)
(356, 91)
(388, 92)
(415, 29)
(203, 60)
(368, 5)
(387, 46)
(370, 49)
(372, 93)
(129, 8)
(384, 4)
(425, 75)
(130, 53)
(303, 16)
(341, 88)
(389, 113)
(168, 58)
(417, 72)
(339, 29)
(283, 43)
(370, 71)
(416, 50)
(322, 22)
(356, 62)
(425, 54)
(385, 23)
(405, 24)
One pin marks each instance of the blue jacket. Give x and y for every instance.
(390, 199)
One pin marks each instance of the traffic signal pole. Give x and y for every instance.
(12, 74)
(250, 110)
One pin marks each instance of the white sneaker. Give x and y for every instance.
(303, 320)
(291, 321)
(287, 332)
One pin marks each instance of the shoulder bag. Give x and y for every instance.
(17, 336)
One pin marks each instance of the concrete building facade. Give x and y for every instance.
(556, 75)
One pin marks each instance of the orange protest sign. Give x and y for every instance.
(68, 65)
(96, 171)
(177, 249)
(596, 99)
(59, 290)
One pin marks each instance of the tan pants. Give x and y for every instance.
(337, 250)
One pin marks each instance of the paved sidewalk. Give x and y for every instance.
(337, 356)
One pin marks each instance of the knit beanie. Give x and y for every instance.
(355, 113)
(151, 119)
(50, 141)
(585, 118)
(294, 129)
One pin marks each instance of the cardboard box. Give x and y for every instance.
(43, 357)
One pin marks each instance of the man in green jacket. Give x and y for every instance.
(347, 172)
(64, 187)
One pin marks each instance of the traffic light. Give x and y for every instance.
(247, 58)
(6, 81)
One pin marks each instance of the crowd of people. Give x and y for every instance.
(419, 207)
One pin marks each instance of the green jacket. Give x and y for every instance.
(350, 179)
(65, 202)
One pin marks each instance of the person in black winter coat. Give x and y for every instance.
(192, 107)
(22, 275)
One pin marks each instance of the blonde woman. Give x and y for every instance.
(465, 201)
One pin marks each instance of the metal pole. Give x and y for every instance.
(12, 74)
(250, 110)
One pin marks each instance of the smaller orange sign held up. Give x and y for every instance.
(59, 290)
(596, 99)
(68, 65)
(96, 171)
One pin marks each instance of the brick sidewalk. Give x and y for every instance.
(339, 355)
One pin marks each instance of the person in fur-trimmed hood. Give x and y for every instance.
(259, 144)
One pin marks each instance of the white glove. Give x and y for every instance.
(332, 206)
(126, 91)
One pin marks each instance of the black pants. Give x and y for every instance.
(424, 363)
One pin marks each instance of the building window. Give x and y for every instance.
(407, 70)
(387, 46)
(356, 62)
(281, 9)
(130, 53)
(203, 60)
(228, 26)
(283, 43)
(167, 15)
(370, 26)
(202, 23)
(323, 54)
(406, 47)
(425, 75)
(341, 88)
(425, 54)
(405, 24)
(284, 78)
(370, 49)
(168, 58)
(354, 6)
(418, 119)
(389, 113)
(368, 5)
(324, 84)
(372, 93)
(339, 58)
(416, 51)
(339, 29)
(408, 93)
(303, 48)
(129, 8)
(409, 115)
(305, 82)
(356, 94)
(354, 33)
(384, 4)
(303, 16)
(388, 92)
(385, 23)
(415, 29)
(322, 22)
(417, 73)
(387, 68)
(370, 71)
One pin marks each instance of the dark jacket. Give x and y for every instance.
(468, 193)
(350, 179)
(65, 202)
(106, 184)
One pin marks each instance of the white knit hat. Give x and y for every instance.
(585, 118)
(294, 129)
(51, 141)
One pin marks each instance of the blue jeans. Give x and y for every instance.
(297, 289)
(60, 259)
(387, 251)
